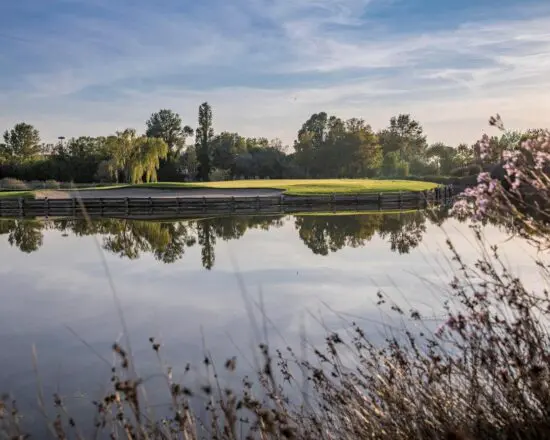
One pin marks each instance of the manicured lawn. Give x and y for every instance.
(8, 194)
(307, 187)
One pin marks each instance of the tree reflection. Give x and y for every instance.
(23, 234)
(330, 233)
(403, 231)
(168, 240)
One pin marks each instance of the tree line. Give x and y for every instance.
(326, 146)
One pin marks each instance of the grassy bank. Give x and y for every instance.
(11, 194)
(302, 187)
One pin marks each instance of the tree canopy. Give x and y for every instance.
(21, 143)
(326, 146)
(168, 126)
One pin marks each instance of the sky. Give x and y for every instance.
(91, 67)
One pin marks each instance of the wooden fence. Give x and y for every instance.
(133, 206)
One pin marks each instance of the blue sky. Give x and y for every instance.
(90, 67)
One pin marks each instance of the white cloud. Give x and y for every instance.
(451, 80)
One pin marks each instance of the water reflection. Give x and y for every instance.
(168, 240)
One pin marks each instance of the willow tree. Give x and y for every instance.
(137, 157)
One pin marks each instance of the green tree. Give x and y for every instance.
(225, 147)
(405, 136)
(136, 157)
(464, 155)
(21, 143)
(390, 163)
(78, 159)
(305, 152)
(359, 150)
(204, 135)
(188, 163)
(330, 147)
(444, 156)
(168, 126)
(317, 128)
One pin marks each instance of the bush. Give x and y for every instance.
(419, 167)
(402, 169)
(217, 175)
(9, 183)
(52, 184)
(469, 170)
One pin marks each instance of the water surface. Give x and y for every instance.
(189, 281)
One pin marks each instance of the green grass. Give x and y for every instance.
(11, 194)
(303, 187)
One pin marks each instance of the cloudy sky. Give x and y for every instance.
(90, 67)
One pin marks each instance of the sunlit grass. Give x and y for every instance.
(305, 186)
(11, 194)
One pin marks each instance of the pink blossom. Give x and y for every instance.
(483, 177)
(525, 167)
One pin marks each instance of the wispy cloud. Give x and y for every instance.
(94, 67)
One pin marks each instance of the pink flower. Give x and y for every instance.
(483, 177)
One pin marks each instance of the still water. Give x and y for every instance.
(219, 283)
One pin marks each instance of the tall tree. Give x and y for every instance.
(225, 147)
(204, 135)
(21, 143)
(405, 136)
(464, 154)
(168, 126)
(311, 138)
(359, 150)
(444, 156)
(316, 127)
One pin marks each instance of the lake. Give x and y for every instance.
(222, 284)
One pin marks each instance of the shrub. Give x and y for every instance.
(218, 174)
(9, 183)
(520, 199)
(52, 184)
(468, 170)
(402, 169)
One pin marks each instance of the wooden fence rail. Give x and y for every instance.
(22, 207)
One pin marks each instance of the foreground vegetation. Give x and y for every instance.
(483, 373)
